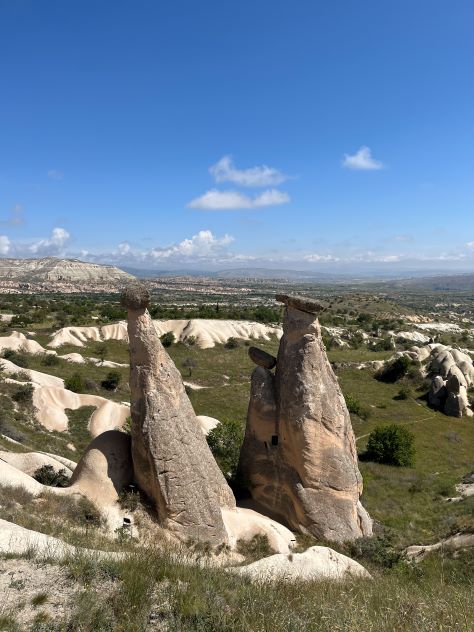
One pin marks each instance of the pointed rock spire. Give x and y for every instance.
(299, 457)
(172, 462)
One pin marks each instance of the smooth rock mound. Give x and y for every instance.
(299, 459)
(29, 462)
(318, 563)
(103, 472)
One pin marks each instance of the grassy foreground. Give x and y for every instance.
(149, 590)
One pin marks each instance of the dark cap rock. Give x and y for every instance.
(302, 303)
(262, 358)
(135, 296)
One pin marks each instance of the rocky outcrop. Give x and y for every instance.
(172, 461)
(299, 459)
(452, 373)
(456, 542)
(317, 563)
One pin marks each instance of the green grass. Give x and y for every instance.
(78, 432)
(411, 501)
(148, 586)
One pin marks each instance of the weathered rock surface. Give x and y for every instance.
(29, 462)
(172, 461)
(455, 542)
(316, 563)
(105, 469)
(299, 459)
(262, 358)
(452, 373)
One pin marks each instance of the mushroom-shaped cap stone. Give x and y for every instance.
(135, 296)
(262, 358)
(303, 303)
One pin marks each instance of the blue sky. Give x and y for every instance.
(307, 135)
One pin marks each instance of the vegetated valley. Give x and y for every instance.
(386, 344)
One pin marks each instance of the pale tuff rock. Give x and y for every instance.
(205, 333)
(172, 461)
(453, 543)
(452, 373)
(105, 469)
(29, 462)
(299, 459)
(317, 563)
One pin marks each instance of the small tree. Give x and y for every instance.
(75, 383)
(24, 395)
(111, 381)
(168, 339)
(392, 445)
(232, 343)
(47, 475)
(225, 441)
(102, 352)
(190, 364)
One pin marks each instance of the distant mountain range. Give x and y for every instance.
(73, 275)
(50, 273)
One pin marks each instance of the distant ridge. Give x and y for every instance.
(51, 274)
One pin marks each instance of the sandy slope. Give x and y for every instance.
(51, 403)
(207, 332)
(50, 399)
(19, 342)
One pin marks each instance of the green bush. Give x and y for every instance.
(49, 359)
(376, 550)
(24, 394)
(356, 408)
(391, 445)
(395, 370)
(75, 383)
(232, 343)
(168, 339)
(19, 358)
(111, 381)
(47, 475)
(225, 441)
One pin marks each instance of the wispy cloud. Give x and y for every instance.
(5, 245)
(54, 174)
(215, 200)
(362, 160)
(315, 258)
(16, 216)
(261, 176)
(470, 244)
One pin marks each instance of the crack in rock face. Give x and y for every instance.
(298, 459)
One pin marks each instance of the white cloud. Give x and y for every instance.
(215, 200)
(5, 245)
(362, 160)
(470, 244)
(53, 245)
(262, 176)
(54, 174)
(124, 248)
(320, 258)
(202, 245)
